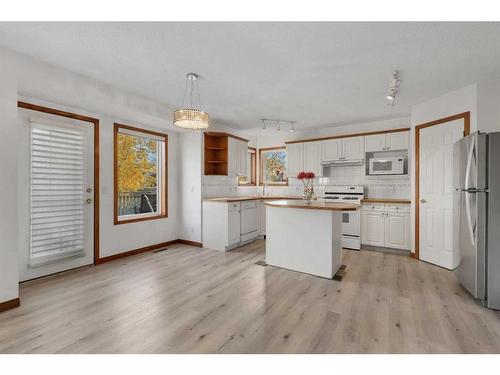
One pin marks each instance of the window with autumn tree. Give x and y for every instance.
(140, 174)
(273, 166)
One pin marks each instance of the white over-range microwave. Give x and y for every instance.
(386, 165)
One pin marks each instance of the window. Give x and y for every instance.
(140, 174)
(273, 166)
(251, 178)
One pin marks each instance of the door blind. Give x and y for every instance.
(58, 174)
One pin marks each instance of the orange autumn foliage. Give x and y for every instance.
(137, 163)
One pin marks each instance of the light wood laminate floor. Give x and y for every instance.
(191, 300)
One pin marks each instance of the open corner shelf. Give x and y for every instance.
(216, 154)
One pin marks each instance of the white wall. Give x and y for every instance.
(51, 86)
(190, 165)
(8, 183)
(488, 106)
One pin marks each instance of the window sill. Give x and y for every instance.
(274, 184)
(137, 219)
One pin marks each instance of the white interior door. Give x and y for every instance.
(60, 210)
(436, 192)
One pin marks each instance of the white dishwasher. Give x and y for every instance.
(249, 220)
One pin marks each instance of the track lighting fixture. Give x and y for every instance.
(278, 123)
(393, 88)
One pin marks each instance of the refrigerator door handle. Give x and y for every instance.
(469, 218)
(469, 165)
(470, 157)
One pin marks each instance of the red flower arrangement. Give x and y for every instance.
(306, 175)
(307, 179)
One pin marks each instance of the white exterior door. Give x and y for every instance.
(353, 148)
(295, 158)
(312, 158)
(435, 185)
(60, 210)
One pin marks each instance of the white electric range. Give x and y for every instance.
(351, 221)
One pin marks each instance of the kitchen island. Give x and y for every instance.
(305, 236)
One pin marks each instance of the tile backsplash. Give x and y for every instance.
(375, 187)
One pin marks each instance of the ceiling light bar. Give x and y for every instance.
(278, 123)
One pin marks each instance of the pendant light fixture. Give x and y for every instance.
(191, 117)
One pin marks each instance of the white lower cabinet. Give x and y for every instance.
(227, 225)
(372, 228)
(386, 226)
(233, 223)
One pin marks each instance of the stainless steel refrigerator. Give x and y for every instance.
(476, 215)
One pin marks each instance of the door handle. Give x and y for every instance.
(423, 200)
(89, 201)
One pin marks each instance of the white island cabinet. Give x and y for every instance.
(305, 236)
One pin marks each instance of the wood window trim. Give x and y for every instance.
(466, 117)
(261, 166)
(164, 187)
(253, 168)
(95, 124)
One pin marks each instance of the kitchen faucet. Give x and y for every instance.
(264, 187)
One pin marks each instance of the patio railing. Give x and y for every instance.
(137, 202)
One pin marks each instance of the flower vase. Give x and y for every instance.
(309, 190)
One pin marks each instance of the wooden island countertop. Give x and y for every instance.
(249, 198)
(314, 205)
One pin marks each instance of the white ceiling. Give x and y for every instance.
(318, 74)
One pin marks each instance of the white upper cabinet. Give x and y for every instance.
(387, 142)
(349, 148)
(353, 148)
(375, 143)
(331, 149)
(312, 162)
(232, 157)
(237, 157)
(397, 141)
(243, 158)
(295, 158)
